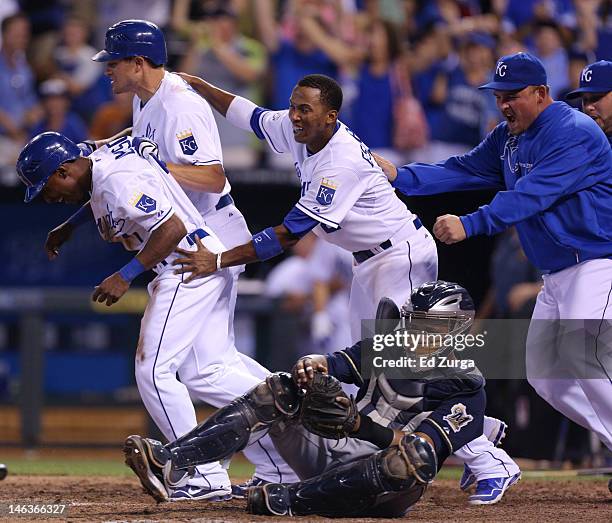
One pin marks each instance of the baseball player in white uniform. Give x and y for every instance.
(168, 112)
(345, 200)
(140, 205)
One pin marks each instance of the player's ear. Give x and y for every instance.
(332, 116)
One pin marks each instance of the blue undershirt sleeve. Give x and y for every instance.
(481, 168)
(299, 223)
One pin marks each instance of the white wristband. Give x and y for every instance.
(219, 260)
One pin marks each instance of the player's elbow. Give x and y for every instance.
(174, 230)
(218, 179)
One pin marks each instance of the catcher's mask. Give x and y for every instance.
(436, 313)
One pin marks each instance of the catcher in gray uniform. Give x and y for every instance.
(375, 460)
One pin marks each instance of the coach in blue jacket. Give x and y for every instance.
(553, 168)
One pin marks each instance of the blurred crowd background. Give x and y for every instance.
(409, 70)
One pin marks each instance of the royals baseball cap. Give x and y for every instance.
(517, 71)
(595, 78)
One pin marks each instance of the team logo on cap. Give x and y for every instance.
(500, 70)
(458, 417)
(326, 192)
(143, 202)
(187, 142)
(586, 75)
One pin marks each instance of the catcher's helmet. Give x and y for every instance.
(438, 309)
(133, 38)
(41, 157)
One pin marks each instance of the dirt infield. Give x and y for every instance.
(122, 499)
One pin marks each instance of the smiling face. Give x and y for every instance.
(599, 107)
(67, 184)
(313, 121)
(520, 108)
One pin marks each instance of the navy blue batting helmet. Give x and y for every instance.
(133, 38)
(41, 157)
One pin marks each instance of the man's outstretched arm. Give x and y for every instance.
(265, 245)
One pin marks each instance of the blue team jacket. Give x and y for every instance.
(555, 182)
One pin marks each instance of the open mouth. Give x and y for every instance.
(297, 130)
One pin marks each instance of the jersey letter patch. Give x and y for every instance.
(326, 192)
(458, 417)
(143, 202)
(187, 142)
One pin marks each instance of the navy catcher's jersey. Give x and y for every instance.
(454, 403)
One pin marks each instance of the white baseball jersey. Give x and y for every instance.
(183, 126)
(342, 186)
(130, 199)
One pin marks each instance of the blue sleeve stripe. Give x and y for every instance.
(255, 122)
(317, 217)
(299, 223)
(259, 131)
(161, 220)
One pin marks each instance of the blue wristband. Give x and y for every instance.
(83, 215)
(132, 269)
(266, 244)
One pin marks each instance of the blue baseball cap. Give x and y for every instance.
(595, 78)
(517, 71)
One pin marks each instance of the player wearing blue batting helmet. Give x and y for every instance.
(134, 38)
(41, 158)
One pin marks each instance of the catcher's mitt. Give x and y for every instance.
(326, 409)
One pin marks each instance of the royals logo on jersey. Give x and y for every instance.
(187, 142)
(326, 192)
(458, 417)
(143, 202)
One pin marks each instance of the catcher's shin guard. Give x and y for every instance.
(387, 483)
(243, 421)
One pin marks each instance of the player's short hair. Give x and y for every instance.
(331, 92)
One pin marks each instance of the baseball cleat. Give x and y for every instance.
(490, 491)
(198, 493)
(241, 490)
(467, 478)
(495, 436)
(146, 458)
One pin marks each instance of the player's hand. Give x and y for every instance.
(87, 147)
(110, 290)
(303, 371)
(190, 79)
(201, 262)
(388, 168)
(449, 229)
(56, 238)
(145, 147)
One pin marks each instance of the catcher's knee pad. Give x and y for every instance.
(386, 483)
(412, 461)
(274, 399)
(234, 426)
